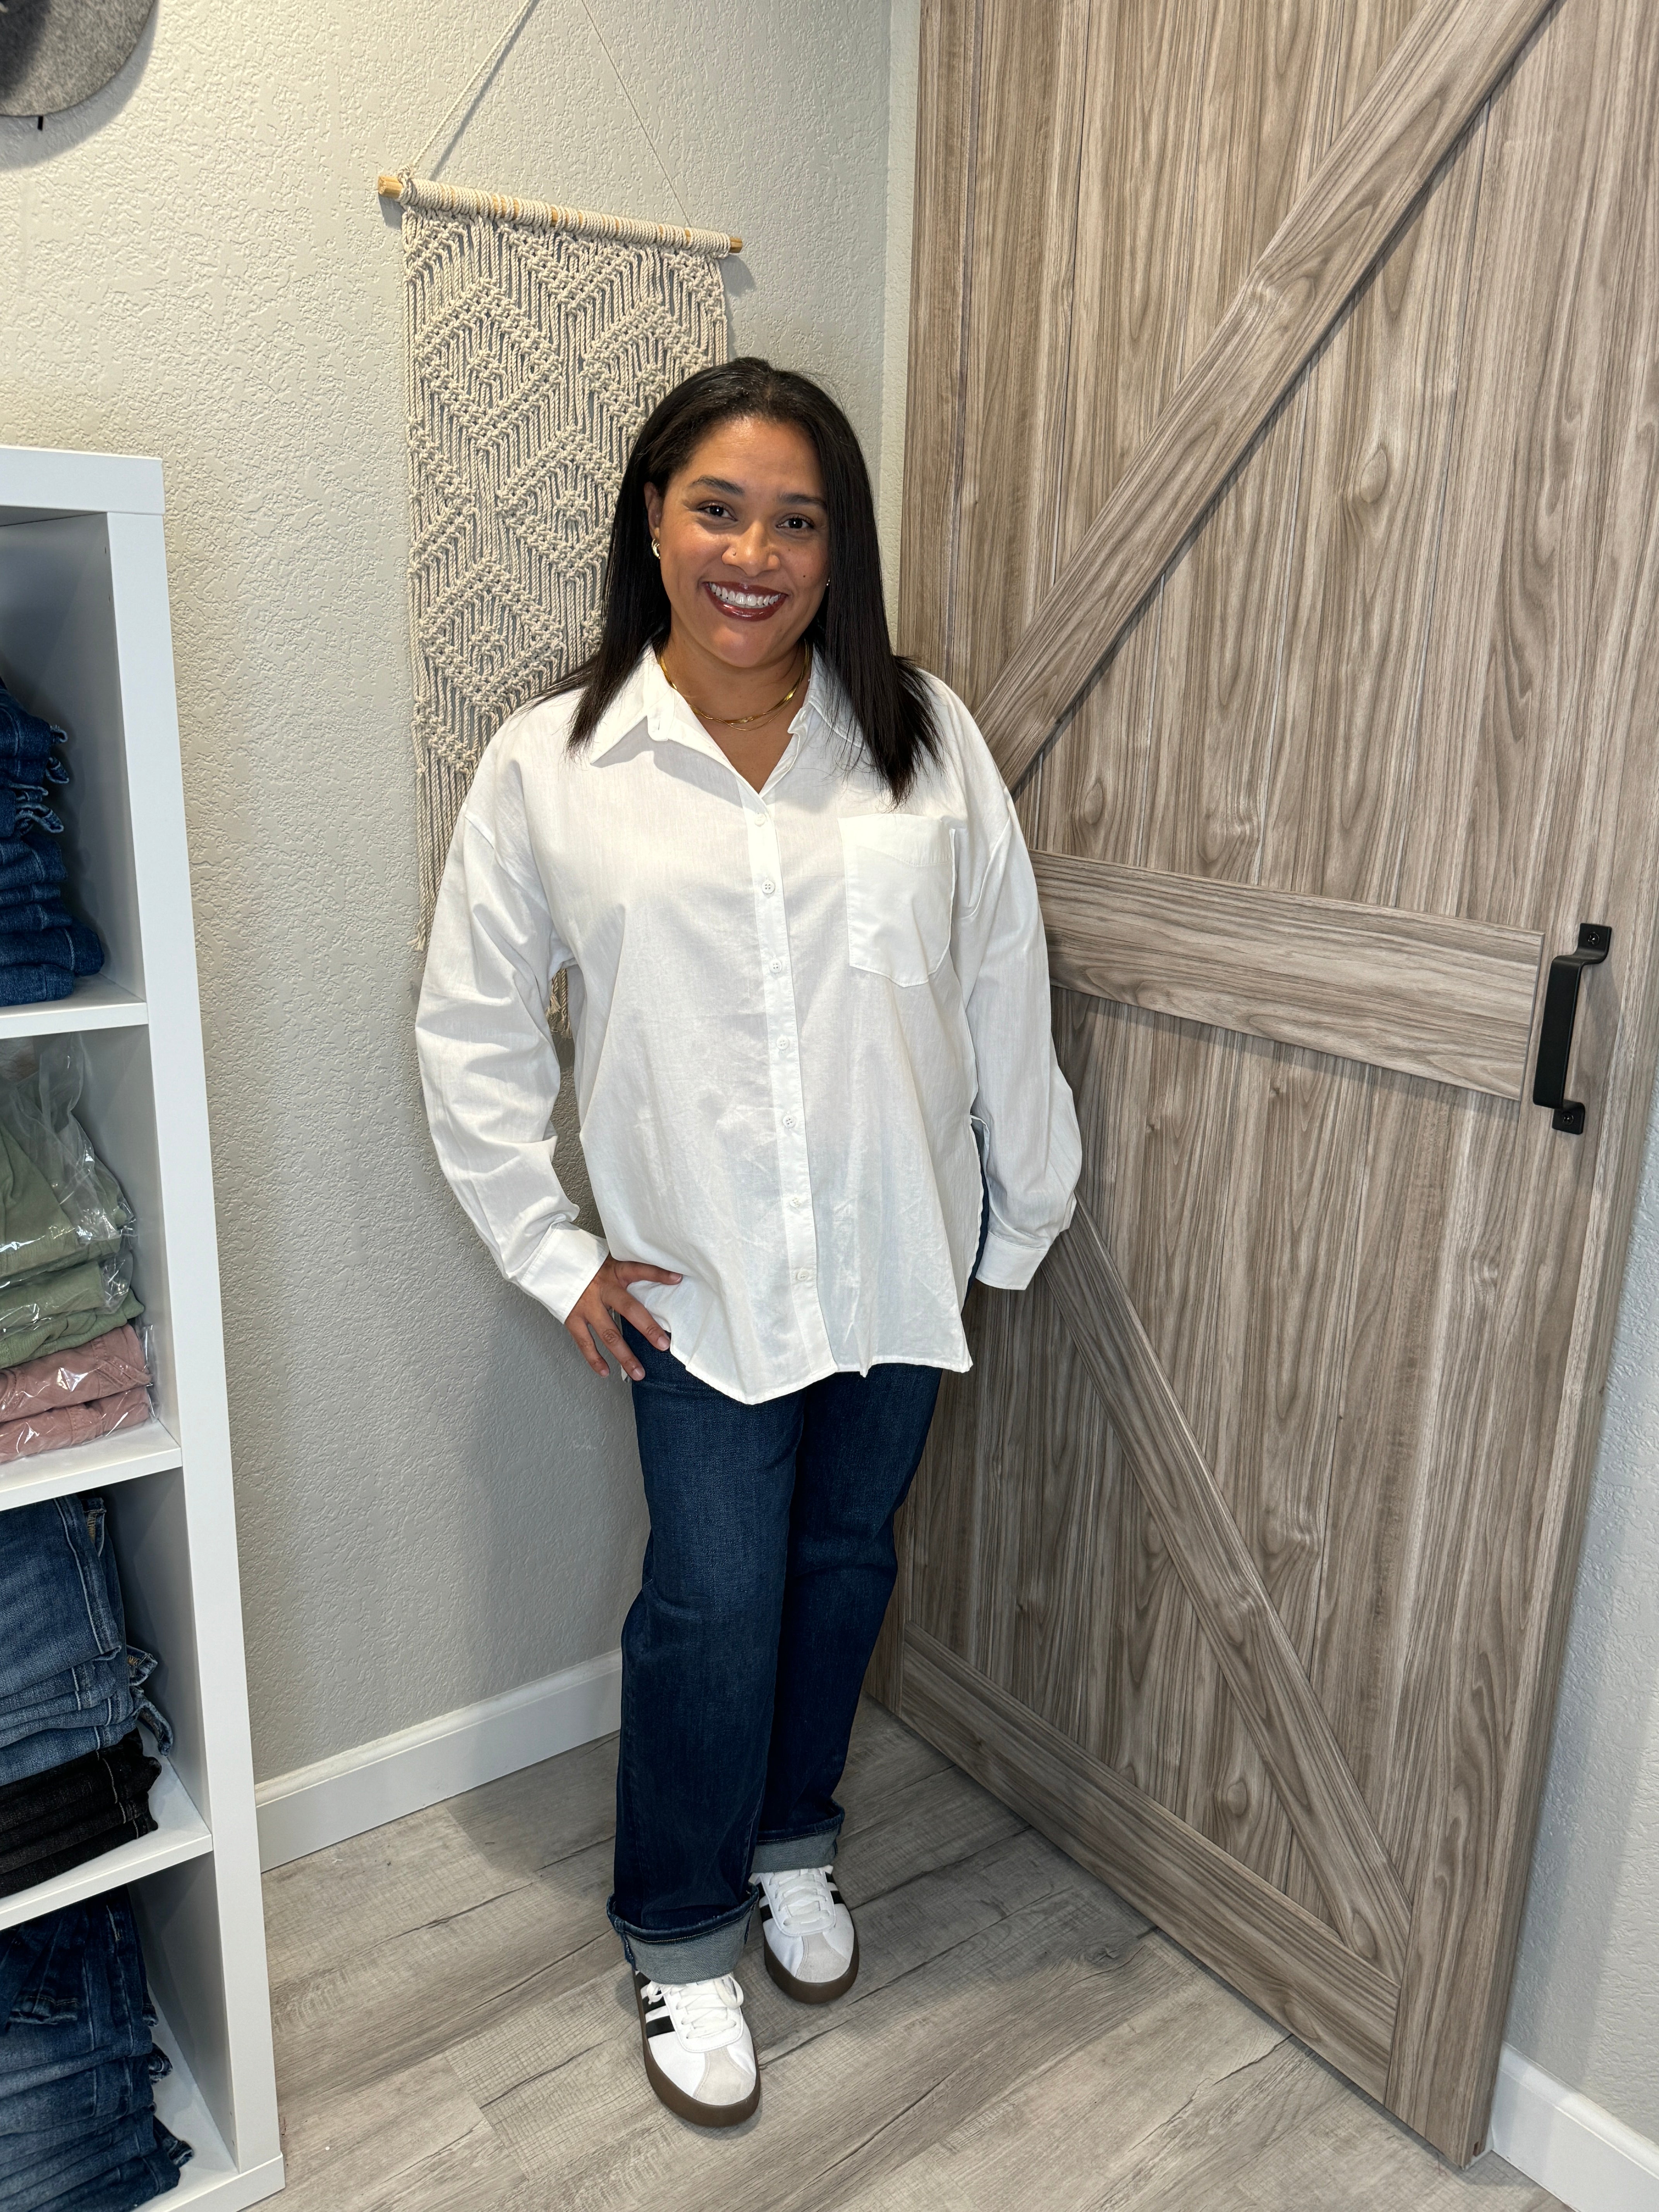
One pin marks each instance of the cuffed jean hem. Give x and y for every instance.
(702, 1955)
(782, 1854)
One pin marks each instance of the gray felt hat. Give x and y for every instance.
(55, 53)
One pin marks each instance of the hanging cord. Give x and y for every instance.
(475, 86)
(480, 81)
(404, 186)
(635, 111)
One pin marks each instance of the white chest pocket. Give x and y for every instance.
(900, 872)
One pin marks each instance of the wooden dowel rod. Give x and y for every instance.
(391, 187)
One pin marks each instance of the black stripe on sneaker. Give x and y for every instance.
(765, 1910)
(658, 2025)
(836, 1894)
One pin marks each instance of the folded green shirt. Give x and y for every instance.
(39, 1229)
(57, 1310)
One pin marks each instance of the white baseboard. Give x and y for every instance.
(316, 1806)
(1568, 2146)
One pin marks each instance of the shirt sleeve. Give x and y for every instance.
(488, 1069)
(1033, 1150)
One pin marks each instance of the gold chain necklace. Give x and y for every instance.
(742, 721)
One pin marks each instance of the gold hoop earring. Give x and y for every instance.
(655, 556)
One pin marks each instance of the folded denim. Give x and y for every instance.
(78, 2132)
(108, 2090)
(21, 900)
(123, 2121)
(101, 1691)
(72, 1994)
(28, 865)
(76, 947)
(78, 1799)
(125, 2187)
(44, 910)
(74, 1785)
(81, 1853)
(24, 808)
(23, 736)
(86, 2159)
(33, 984)
(51, 1750)
(58, 1598)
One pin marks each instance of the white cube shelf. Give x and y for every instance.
(85, 642)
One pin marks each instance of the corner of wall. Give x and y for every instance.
(903, 40)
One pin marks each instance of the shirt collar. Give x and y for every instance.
(648, 698)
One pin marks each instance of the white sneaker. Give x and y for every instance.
(699, 2054)
(812, 1945)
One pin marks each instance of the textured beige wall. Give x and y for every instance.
(436, 1501)
(1586, 2002)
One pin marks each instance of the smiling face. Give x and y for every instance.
(742, 535)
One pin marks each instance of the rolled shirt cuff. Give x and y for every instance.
(1009, 1261)
(565, 1263)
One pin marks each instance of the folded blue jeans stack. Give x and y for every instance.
(42, 948)
(78, 2128)
(75, 1778)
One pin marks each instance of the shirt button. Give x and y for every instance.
(777, 967)
(768, 887)
(798, 1203)
(789, 1123)
(803, 1275)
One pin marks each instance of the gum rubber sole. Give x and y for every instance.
(687, 2107)
(811, 1992)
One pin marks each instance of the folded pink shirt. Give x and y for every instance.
(109, 1365)
(73, 1425)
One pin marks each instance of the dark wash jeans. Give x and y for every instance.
(70, 1682)
(767, 1575)
(78, 2131)
(768, 1572)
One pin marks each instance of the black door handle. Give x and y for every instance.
(1549, 1080)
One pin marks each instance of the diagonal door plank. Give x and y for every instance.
(1274, 1697)
(1280, 1956)
(1364, 188)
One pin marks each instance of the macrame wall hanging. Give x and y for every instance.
(538, 340)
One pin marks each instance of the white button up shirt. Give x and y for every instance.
(790, 1009)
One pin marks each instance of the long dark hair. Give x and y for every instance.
(888, 695)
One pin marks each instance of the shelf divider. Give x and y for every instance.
(93, 1004)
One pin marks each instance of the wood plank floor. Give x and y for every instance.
(455, 2029)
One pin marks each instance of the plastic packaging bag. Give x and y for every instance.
(70, 1397)
(59, 1202)
(66, 1231)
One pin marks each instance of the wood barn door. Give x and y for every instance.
(1282, 492)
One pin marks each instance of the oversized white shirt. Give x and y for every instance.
(790, 1008)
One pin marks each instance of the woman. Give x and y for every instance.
(809, 999)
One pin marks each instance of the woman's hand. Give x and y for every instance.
(592, 1320)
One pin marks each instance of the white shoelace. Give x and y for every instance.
(800, 1900)
(707, 2015)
